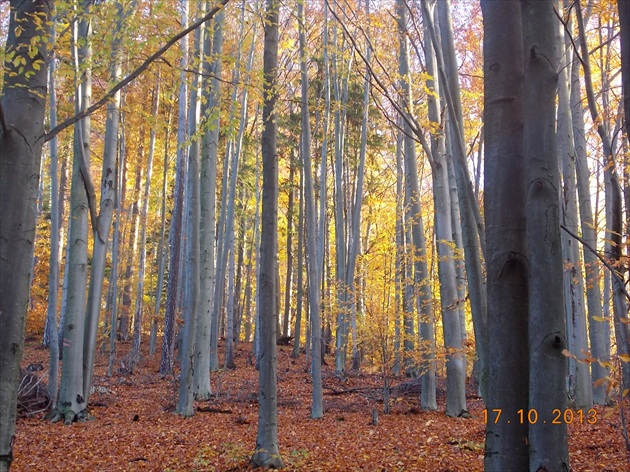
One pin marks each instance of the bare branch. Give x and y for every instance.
(600, 257)
(134, 75)
(89, 185)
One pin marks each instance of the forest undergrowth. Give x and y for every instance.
(134, 427)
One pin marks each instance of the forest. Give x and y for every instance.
(333, 235)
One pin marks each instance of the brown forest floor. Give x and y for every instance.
(134, 427)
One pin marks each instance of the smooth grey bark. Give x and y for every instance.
(399, 264)
(340, 90)
(211, 111)
(506, 262)
(580, 387)
(314, 245)
(234, 156)
(192, 207)
(133, 215)
(266, 453)
(614, 209)
(113, 280)
(288, 284)
(107, 201)
(414, 224)
(598, 325)
(299, 291)
(354, 231)
(548, 448)
(52, 326)
(443, 228)
(134, 355)
(175, 230)
(471, 224)
(72, 399)
(22, 107)
(226, 216)
(161, 250)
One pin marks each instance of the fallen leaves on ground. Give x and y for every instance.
(134, 427)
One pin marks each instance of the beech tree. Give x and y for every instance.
(524, 260)
(22, 106)
(266, 453)
(508, 361)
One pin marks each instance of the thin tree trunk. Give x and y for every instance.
(297, 330)
(125, 317)
(211, 111)
(414, 221)
(137, 319)
(449, 295)
(354, 245)
(175, 231)
(314, 261)
(51, 338)
(72, 398)
(598, 326)
(161, 252)
(614, 209)
(113, 281)
(108, 196)
(266, 453)
(580, 387)
(288, 286)
(192, 248)
(471, 225)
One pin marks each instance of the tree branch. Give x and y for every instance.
(134, 75)
(89, 185)
(600, 257)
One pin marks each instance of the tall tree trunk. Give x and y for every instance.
(299, 295)
(547, 321)
(580, 387)
(72, 399)
(51, 335)
(504, 197)
(210, 149)
(137, 318)
(175, 230)
(108, 196)
(132, 232)
(161, 250)
(340, 82)
(414, 221)
(211, 111)
(22, 105)
(449, 295)
(113, 280)
(234, 155)
(266, 453)
(598, 325)
(354, 235)
(471, 225)
(314, 259)
(614, 209)
(192, 249)
(288, 286)
(400, 265)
